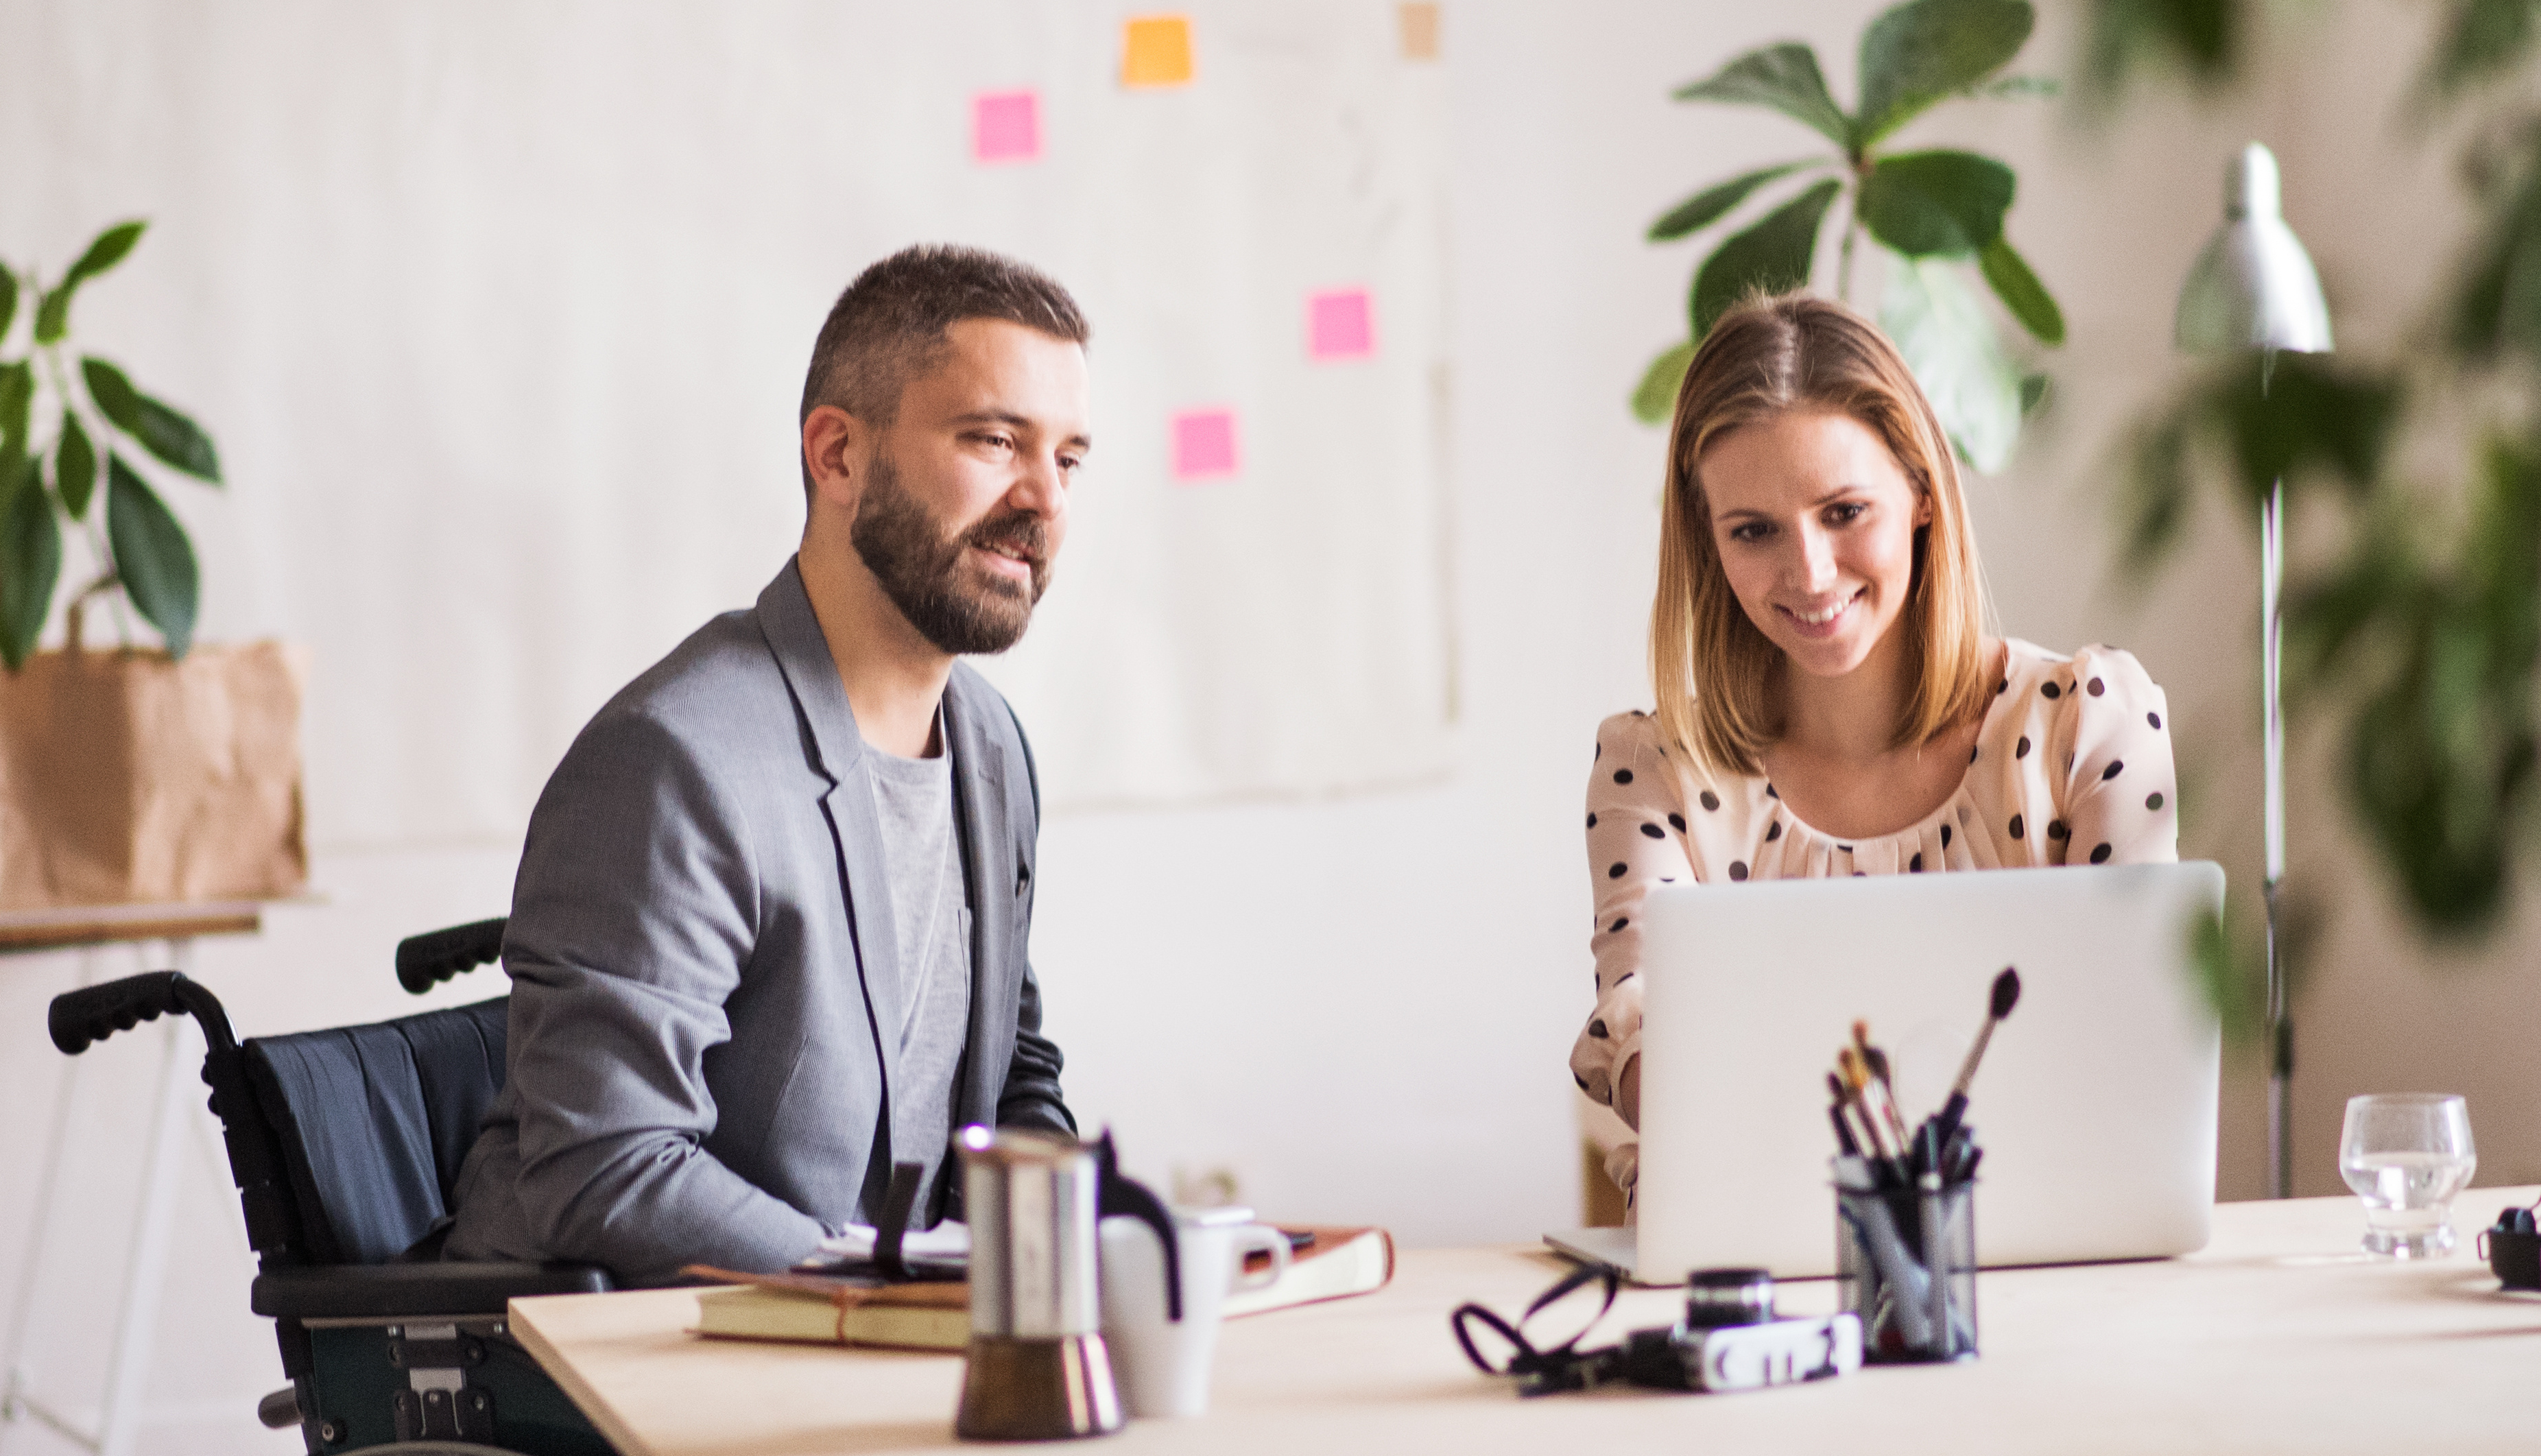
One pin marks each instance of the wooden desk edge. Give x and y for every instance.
(576, 1386)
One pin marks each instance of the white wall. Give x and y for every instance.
(1361, 1007)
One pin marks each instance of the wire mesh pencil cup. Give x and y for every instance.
(1906, 1264)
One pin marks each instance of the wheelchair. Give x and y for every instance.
(344, 1144)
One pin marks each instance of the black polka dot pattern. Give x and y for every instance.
(1737, 869)
(2100, 855)
(1710, 801)
(1677, 822)
(2056, 829)
(1773, 832)
(2098, 686)
(2153, 718)
(1652, 831)
(1620, 923)
(2116, 766)
(1593, 820)
(2152, 800)
(2017, 831)
(1914, 866)
(1945, 836)
(2052, 691)
(1623, 775)
(1597, 1029)
(1615, 871)
(2021, 749)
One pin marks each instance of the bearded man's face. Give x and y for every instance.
(926, 568)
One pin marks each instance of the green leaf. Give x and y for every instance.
(2021, 292)
(2487, 39)
(1707, 207)
(161, 431)
(1772, 256)
(16, 394)
(8, 299)
(1940, 327)
(54, 314)
(1936, 205)
(1654, 398)
(2020, 88)
(2203, 39)
(1926, 49)
(75, 468)
(152, 557)
(2034, 391)
(31, 558)
(1785, 77)
(2300, 415)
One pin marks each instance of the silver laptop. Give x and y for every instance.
(2095, 1105)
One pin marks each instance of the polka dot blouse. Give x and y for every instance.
(2072, 766)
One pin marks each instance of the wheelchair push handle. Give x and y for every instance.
(425, 961)
(94, 1013)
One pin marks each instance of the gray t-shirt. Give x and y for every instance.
(914, 800)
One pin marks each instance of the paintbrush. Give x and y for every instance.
(1875, 1060)
(1856, 1077)
(2007, 995)
(1845, 1141)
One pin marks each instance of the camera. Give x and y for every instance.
(1731, 1340)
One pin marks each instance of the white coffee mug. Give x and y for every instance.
(1163, 1365)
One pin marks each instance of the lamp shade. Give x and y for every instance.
(2253, 287)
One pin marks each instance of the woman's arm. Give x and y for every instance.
(2122, 790)
(1637, 839)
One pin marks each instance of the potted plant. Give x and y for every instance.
(166, 773)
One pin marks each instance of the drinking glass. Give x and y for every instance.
(2406, 1155)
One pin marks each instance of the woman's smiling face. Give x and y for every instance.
(1815, 521)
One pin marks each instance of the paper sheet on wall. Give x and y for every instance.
(500, 315)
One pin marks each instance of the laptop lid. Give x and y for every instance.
(2095, 1105)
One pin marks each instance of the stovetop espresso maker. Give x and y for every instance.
(1035, 1368)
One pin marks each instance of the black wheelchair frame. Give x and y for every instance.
(388, 1348)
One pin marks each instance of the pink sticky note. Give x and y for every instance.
(1204, 444)
(1005, 126)
(1339, 324)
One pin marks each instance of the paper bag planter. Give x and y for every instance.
(130, 776)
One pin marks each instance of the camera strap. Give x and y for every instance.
(1561, 1367)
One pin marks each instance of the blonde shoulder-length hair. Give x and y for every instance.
(1717, 675)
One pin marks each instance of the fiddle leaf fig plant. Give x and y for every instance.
(1936, 216)
(60, 429)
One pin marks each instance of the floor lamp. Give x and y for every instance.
(2254, 288)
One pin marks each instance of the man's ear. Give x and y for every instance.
(835, 447)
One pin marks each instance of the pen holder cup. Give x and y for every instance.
(1906, 1264)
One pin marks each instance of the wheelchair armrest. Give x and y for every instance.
(391, 1291)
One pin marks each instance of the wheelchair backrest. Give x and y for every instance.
(373, 1122)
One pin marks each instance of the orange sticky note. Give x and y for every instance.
(1419, 26)
(1156, 50)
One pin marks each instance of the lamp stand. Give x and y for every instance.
(2280, 1023)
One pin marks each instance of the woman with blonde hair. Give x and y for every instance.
(1829, 700)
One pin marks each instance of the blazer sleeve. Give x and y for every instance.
(633, 919)
(1032, 1096)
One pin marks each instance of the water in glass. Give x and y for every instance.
(2407, 1156)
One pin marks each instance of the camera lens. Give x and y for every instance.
(1718, 1297)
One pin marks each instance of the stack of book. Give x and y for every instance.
(935, 1315)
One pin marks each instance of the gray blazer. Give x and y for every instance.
(702, 954)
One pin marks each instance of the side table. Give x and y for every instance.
(162, 937)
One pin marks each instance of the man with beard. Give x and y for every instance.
(768, 942)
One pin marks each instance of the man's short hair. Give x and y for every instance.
(890, 326)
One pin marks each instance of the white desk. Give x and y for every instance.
(2277, 1338)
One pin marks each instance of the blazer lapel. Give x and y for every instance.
(990, 870)
(838, 753)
